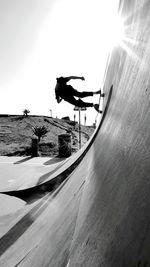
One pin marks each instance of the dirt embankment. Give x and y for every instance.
(16, 133)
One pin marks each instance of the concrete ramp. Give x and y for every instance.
(100, 216)
(113, 225)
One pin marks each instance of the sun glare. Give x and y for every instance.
(115, 30)
(118, 31)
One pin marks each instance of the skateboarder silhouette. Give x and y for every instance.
(68, 93)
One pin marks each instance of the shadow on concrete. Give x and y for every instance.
(54, 160)
(23, 160)
(47, 175)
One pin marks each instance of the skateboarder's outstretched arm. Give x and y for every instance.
(74, 78)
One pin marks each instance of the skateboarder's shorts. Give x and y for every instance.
(68, 91)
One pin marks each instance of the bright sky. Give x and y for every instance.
(44, 39)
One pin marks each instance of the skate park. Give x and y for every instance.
(98, 215)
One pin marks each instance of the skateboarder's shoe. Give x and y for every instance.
(99, 92)
(102, 95)
(96, 106)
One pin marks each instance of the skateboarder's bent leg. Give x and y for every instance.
(82, 104)
(85, 93)
(82, 94)
(77, 102)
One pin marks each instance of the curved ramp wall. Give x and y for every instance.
(113, 225)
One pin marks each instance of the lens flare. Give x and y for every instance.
(118, 31)
(115, 31)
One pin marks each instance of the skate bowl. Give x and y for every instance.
(99, 215)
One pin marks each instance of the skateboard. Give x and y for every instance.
(97, 106)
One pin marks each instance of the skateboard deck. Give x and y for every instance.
(102, 95)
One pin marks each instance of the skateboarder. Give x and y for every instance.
(68, 93)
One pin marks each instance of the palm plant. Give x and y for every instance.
(40, 131)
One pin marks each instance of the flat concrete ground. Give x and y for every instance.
(17, 173)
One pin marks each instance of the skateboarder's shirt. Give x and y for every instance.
(63, 89)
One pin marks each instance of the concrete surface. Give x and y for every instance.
(17, 173)
(10, 204)
(100, 217)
